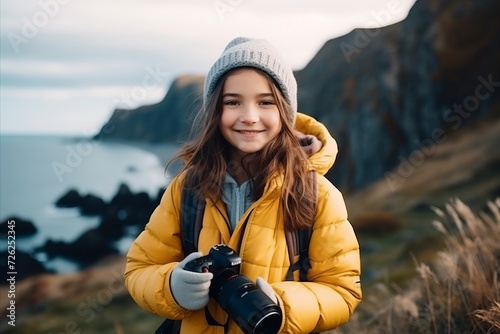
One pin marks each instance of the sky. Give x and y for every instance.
(66, 64)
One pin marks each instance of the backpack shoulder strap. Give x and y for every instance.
(298, 242)
(192, 209)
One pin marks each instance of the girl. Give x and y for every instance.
(248, 163)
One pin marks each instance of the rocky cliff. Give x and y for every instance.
(166, 121)
(383, 93)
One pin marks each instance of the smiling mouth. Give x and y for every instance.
(248, 132)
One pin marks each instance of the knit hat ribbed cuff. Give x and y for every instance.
(257, 53)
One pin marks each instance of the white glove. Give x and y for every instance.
(190, 289)
(267, 289)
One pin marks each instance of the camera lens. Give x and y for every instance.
(269, 323)
(249, 306)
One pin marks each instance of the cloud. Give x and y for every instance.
(90, 52)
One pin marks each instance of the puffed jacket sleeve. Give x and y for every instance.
(324, 159)
(153, 256)
(333, 289)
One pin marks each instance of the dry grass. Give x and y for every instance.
(457, 293)
(376, 222)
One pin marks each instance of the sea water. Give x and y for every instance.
(35, 171)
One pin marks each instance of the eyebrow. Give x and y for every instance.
(239, 95)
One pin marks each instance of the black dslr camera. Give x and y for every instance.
(251, 309)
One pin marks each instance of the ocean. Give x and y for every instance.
(35, 171)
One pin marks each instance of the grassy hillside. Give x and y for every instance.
(458, 292)
(414, 274)
(394, 216)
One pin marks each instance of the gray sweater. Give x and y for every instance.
(237, 198)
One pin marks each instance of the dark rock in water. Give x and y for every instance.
(22, 227)
(142, 200)
(144, 207)
(87, 249)
(90, 247)
(71, 199)
(53, 248)
(25, 266)
(123, 196)
(92, 205)
(89, 205)
(127, 208)
(112, 224)
(124, 209)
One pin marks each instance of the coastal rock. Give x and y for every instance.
(87, 249)
(21, 227)
(112, 224)
(71, 199)
(53, 248)
(125, 199)
(91, 247)
(92, 205)
(123, 196)
(25, 266)
(165, 121)
(127, 208)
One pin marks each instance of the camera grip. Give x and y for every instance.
(190, 289)
(199, 265)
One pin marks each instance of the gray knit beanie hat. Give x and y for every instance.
(258, 53)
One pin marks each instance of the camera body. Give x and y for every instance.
(251, 309)
(222, 261)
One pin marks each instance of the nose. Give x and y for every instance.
(249, 114)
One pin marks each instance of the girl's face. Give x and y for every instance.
(250, 118)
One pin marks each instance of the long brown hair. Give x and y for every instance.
(206, 159)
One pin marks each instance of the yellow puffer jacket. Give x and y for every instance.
(326, 301)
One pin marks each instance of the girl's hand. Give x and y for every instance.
(267, 289)
(190, 289)
(309, 143)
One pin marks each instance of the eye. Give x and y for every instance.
(266, 102)
(231, 102)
